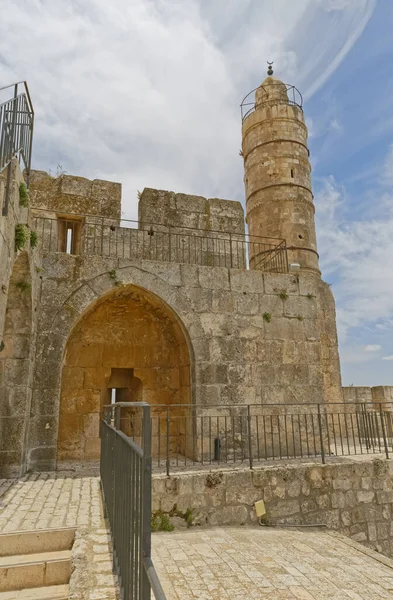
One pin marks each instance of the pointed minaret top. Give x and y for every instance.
(270, 69)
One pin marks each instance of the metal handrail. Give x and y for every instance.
(140, 223)
(213, 436)
(126, 470)
(16, 133)
(129, 239)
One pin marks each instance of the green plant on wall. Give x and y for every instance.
(33, 239)
(21, 236)
(23, 195)
(160, 522)
(113, 275)
(267, 317)
(283, 294)
(23, 286)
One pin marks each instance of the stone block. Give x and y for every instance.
(223, 301)
(283, 508)
(214, 278)
(282, 328)
(246, 281)
(16, 372)
(365, 496)
(247, 303)
(43, 431)
(229, 515)
(45, 402)
(276, 283)
(42, 458)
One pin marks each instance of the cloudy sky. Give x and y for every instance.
(147, 92)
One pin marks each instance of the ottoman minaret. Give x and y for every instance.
(279, 198)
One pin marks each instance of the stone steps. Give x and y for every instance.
(53, 592)
(36, 564)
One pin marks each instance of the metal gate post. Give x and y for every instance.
(146, 501)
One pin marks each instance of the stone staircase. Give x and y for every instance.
(36, 565)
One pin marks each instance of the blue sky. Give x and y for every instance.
(147, 92)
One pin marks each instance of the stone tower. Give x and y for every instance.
(277, 171)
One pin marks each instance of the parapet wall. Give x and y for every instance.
(182, 210)
(69, 194)
(379, 393)
(354, 498)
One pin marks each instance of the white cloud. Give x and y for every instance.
(388, 357)
(356, 255)
(372, 348)
(146, 92)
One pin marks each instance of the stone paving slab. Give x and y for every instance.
(268, 563)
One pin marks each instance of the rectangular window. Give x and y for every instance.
(69, 235)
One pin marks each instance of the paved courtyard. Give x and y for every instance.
(204, 564)
(266, 563)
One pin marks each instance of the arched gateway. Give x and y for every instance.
(128, 346)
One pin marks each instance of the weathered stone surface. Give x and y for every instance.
(299, 494)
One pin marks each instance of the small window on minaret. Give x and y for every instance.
(292, 173)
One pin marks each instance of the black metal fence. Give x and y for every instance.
(186, 436)
(88, 235)
(16, 131)
(126, 485)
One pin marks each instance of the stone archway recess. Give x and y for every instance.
(132, 337)
(15, 369)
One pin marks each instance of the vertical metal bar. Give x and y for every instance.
(293, 437)
(168, 421)
(249, 436)
(146, 499)
(117, 416)
(321, 434)
(383, 430)
(8, 184)
(353, 433)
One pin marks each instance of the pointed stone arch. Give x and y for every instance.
(133, 331)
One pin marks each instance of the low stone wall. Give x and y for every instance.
(355, 498)
(378, 393)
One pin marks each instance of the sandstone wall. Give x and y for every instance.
(353, 498)
(183, 210)
(69, 194)
(19, 281)
(239, 355)
(376, 394)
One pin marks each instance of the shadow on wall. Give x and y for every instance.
(128, 347)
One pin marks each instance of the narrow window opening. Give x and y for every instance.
(69, 240)
(69, 235)
(300, 237)
(292, 173)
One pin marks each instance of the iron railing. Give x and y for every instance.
(16, 132)
(185, 436)
(89, 235)
(248, 104)
(125, 468)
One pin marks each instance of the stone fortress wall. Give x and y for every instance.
(214, 316)
(182, 308)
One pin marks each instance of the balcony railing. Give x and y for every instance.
(187, 436)
(16, 131)
(89, 235)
